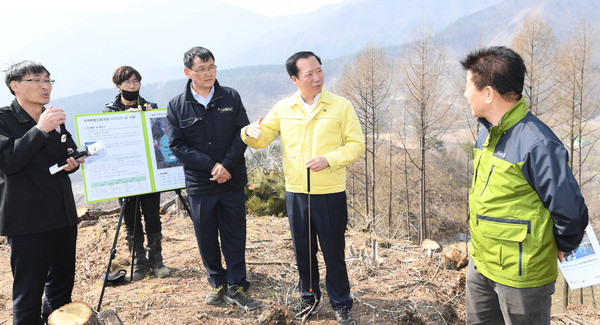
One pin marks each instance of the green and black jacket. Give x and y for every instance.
(524, 202)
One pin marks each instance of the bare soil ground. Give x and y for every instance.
(404, 287)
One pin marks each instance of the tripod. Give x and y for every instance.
(113, 250)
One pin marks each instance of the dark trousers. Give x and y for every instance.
(42, 264)
(329, 217)
(224, 215)
(150, 206)
(489, 302)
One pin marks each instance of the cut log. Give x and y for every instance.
(83, 213)
(75, 313)
(451, 257)
(430, 246)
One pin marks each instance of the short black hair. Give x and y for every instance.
(499, 67)
(196, 51)
(16, 71)
(123, 73)
(290, 64)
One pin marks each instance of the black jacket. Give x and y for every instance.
(31, 199)
(117, 106)
(200, 137)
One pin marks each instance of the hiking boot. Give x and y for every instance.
(237, 295)
(215, 297)
(343, 316)
(155, 256)
(141, 267)
(304, 306)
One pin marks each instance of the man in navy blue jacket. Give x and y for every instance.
(204, 126)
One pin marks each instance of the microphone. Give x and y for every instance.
(83, 151)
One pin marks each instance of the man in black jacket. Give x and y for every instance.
(37, 208)
(204, 126)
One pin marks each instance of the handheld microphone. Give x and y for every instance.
(83, 151)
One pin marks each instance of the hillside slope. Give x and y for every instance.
(407, 287)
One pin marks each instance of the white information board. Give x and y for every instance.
(136, 159)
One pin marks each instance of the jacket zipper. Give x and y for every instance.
(488, 180)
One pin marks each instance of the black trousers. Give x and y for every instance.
(329, 217)
(42, 264)
(148, 206)
(224, 215)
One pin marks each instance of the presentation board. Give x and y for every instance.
(136, 159)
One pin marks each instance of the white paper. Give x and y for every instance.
(581, 267)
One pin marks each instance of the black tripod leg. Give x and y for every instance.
(113, 251)
(185, 205)
(133, 245)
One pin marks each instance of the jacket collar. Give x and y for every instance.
(326, 98)
(118, 104)
(189, 97)
(19, 113)
(510, 118)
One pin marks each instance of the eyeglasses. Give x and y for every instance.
(210, 68)
(41, 81)
(130, 83)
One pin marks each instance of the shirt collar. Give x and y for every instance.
(309, 108)
(200, 99)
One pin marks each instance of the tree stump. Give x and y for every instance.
(75, 313)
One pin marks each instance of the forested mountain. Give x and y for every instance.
(496, 24)
(335, 32)
(152, 36)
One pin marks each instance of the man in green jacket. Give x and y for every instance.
(319, 132)
(525, 207)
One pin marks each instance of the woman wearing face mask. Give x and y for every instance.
(127, 80)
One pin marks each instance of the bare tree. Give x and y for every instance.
(422, 71)
(367, 82)
(390, 179)
(535, 42)
(577, 96)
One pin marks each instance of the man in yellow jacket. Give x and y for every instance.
(320, 134)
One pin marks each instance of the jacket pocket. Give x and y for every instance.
(499, 174)
(186, 123)
(501, 244)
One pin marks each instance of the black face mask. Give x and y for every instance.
(130, 95)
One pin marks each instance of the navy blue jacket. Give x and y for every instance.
(202, 136)
(31, 199)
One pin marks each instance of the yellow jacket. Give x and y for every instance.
(332, 130)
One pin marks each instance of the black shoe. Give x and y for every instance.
(215, 297)
(237, 295)
(343, 316)
(304, 306)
